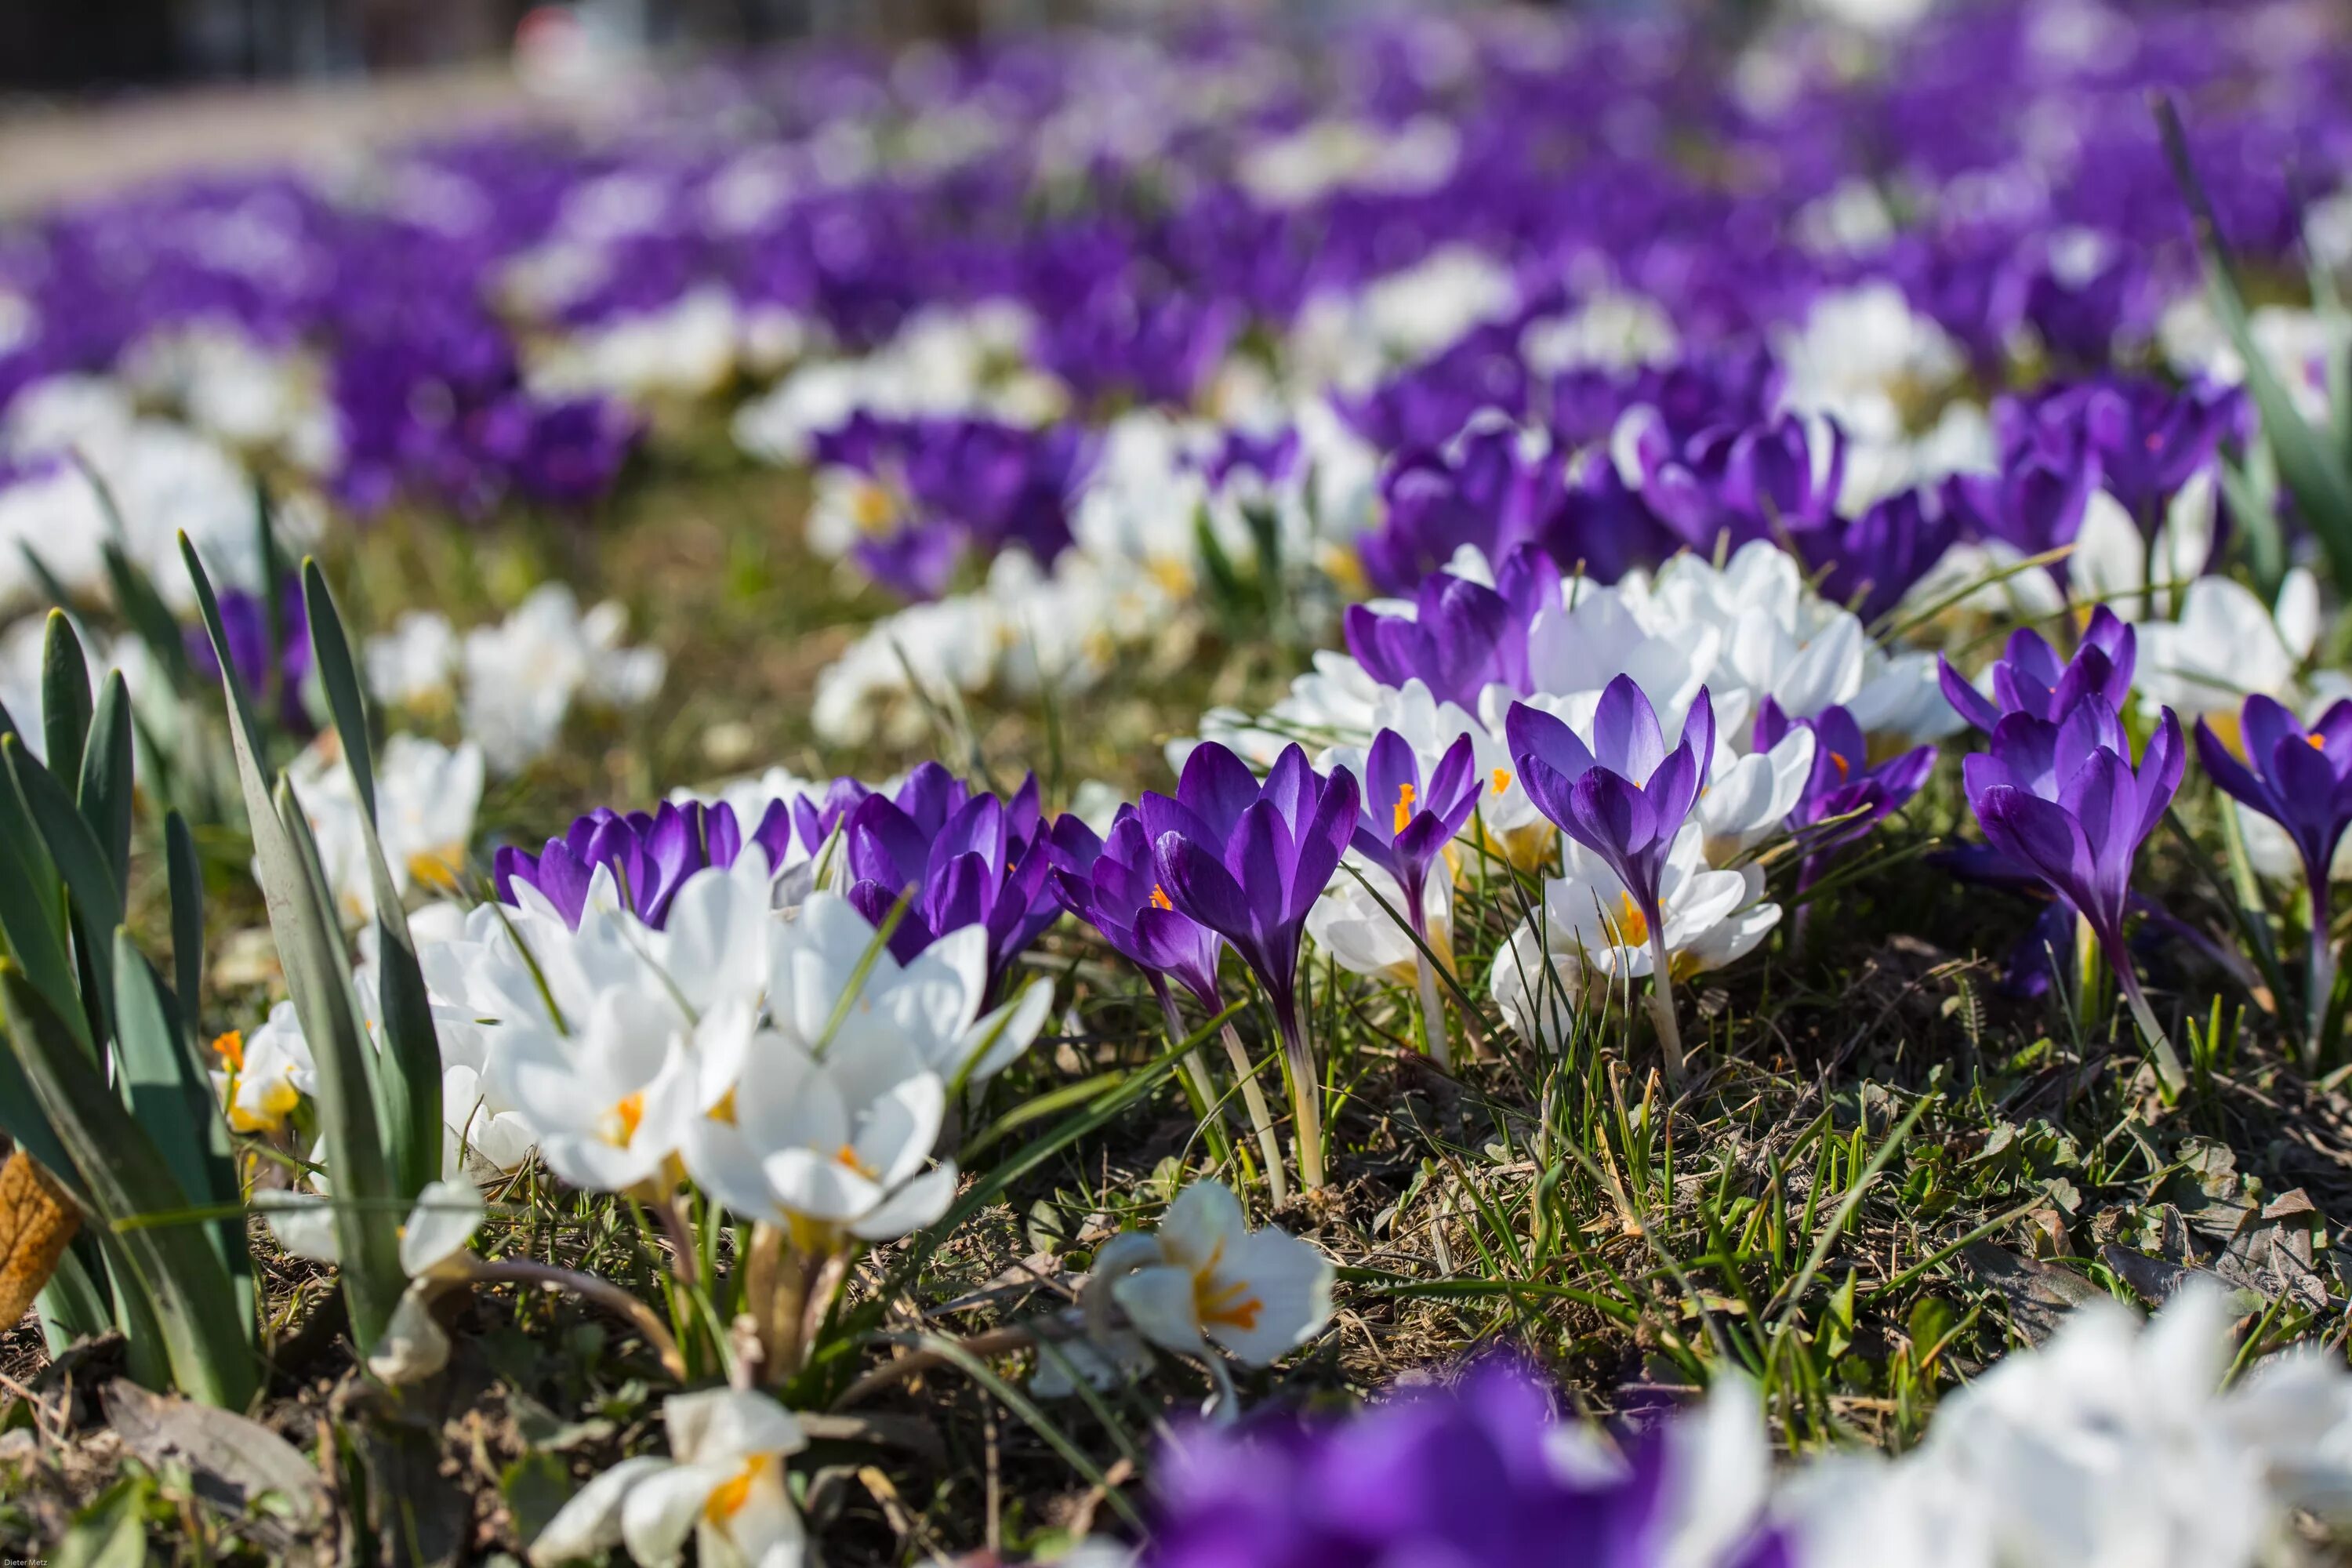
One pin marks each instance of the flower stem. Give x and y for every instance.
(1433, 1004)
(1261, 1115)
(1196, 1076)
(2321, 984)
(1306, 1094)
(1661, 1008)
(1432, 1014)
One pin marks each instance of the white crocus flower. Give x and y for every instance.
(1348, 923)
(414, 665)
(265, 1075)
(829, 1147)
(426, 797)
(2226, 645)
(1748, 799)
(928, 1006)
(479, 1136)
(723, 1485)
(1205, 1275)
(1590, 929)
(434, 1255)
(611, 1105)
(2116, 1446)
(1579, 647)
(2114, 564)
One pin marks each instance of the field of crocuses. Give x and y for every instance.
(1421, 789)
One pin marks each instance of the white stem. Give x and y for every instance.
(1662, 1009)
(1261, 1116)
(1433, 1014)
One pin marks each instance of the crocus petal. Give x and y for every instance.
(591, 1522)
(1197, 883)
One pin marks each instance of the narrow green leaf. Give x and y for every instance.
(173, 1266)
(187, 883)
(168, 1088)
(71, 1305)
(32, 908)
(409, 1071)
(332, 655)
(95, 900)
(309, 947)
(22, 1119)
(105, 794)
(150, 617)
(65, 696)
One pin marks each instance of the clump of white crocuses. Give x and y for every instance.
(513, 683)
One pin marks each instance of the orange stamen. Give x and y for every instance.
(1233, 1306)
(1502, 780)
(1159, 897)
(230, 1048)
(1403, 806)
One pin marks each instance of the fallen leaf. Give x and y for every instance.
(2039, 1295)
(233, 1460)
(37, 1222)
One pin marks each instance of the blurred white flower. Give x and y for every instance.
(523, 675)
(1205, 1275)
(723, 1485)
(426, 795)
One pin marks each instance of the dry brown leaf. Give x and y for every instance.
(37, 1221)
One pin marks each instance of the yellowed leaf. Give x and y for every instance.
(37, 1220)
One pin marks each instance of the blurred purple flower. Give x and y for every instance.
(1436, 1478)
(268, 659)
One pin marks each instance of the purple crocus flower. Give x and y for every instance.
(2035, 503)
(1844, 785)
(1402, 828)
(1625, 798)
(1113, 885)
(1749, 482)
(815, 818)
(2302, 780)
(265, 660)
(1486, 488)
(2149, 440)
(1247, 861)
(1463, 637)
(963, 485)
(2028, 677)
(649, 855)
(959, 858)
(1465, 1475)
(2063, 801)
(1872, 562)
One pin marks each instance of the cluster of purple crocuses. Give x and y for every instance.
(2059, 795)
